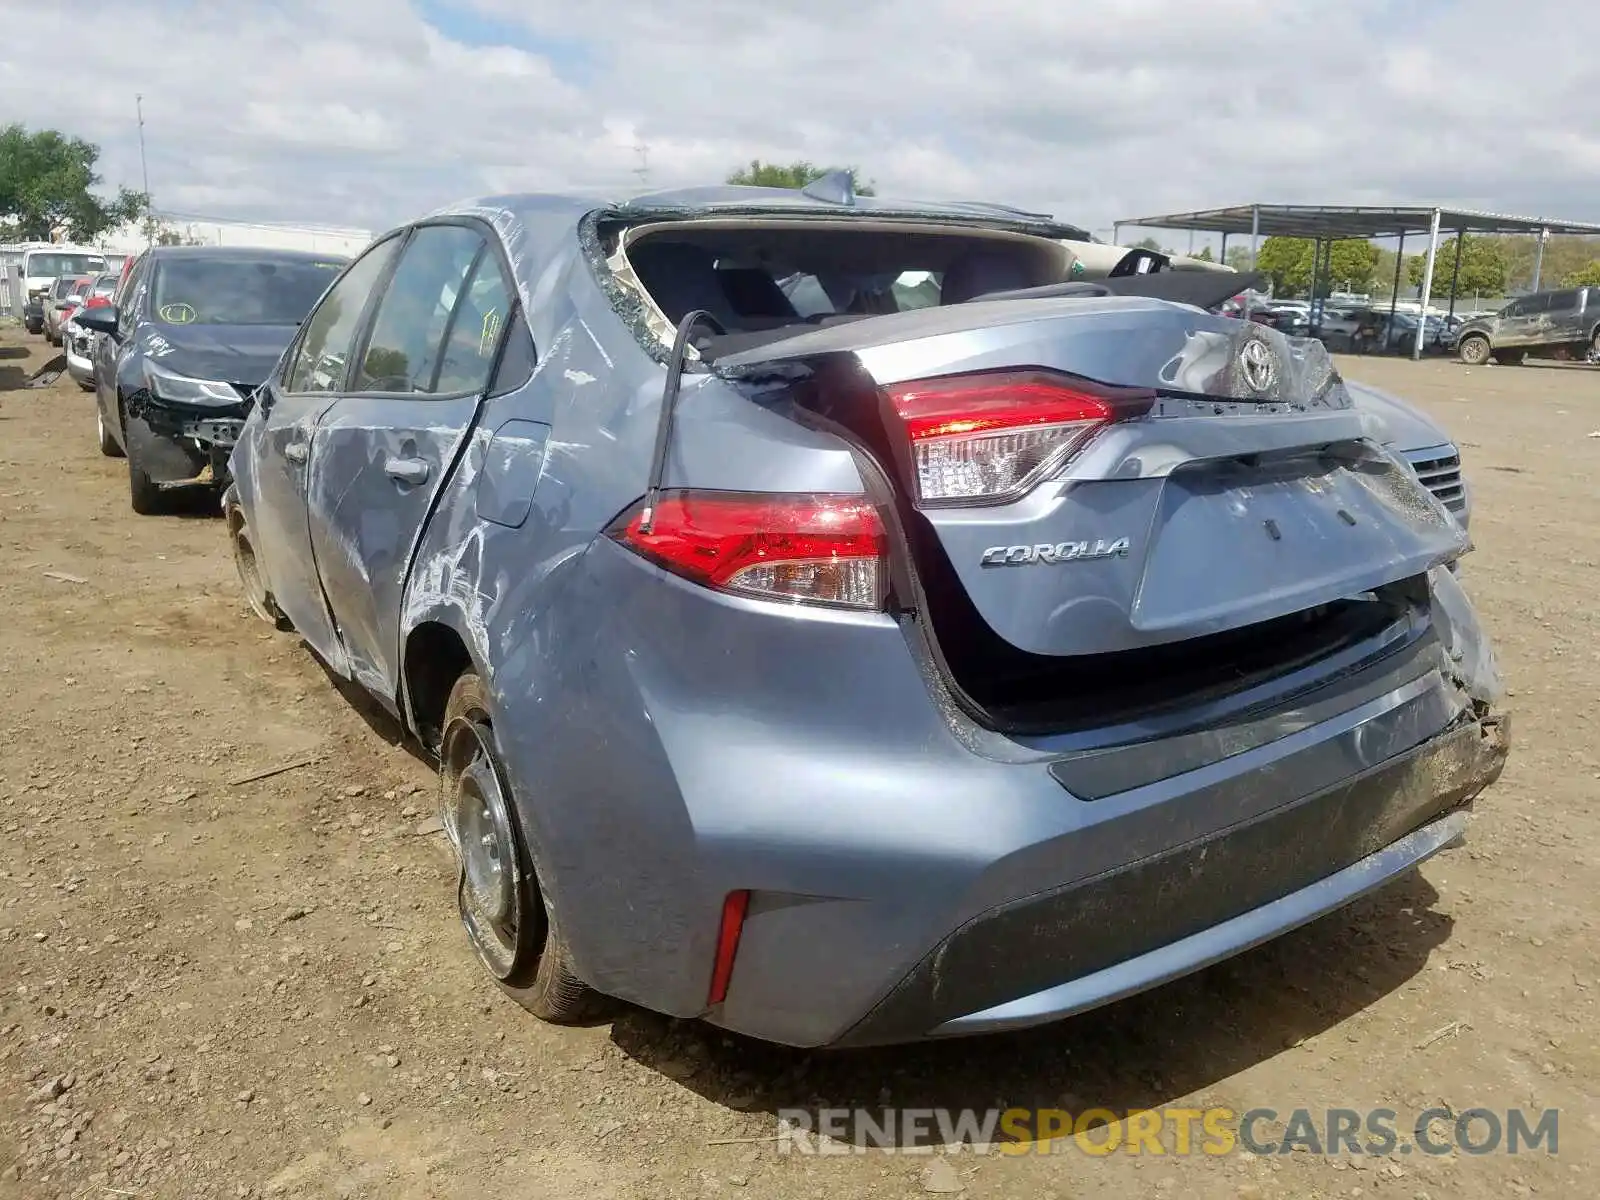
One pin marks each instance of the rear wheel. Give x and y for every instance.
(1594, 346)
(251, 581)
(1474, 350)
(509, 920)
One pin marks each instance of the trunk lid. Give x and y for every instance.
(1241, 490)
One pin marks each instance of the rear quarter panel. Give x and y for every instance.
(546, 470)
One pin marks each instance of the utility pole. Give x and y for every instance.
(144, 170)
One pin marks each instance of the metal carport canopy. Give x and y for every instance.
(1329, 223)
(1352, 221)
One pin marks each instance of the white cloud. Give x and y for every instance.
(361, 112)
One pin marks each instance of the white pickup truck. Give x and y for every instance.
(43, 266)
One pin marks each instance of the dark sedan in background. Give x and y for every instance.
(196, 332)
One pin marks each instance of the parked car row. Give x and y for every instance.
(48, 274)
(78, 341)
(829, 618)
(1358, 329)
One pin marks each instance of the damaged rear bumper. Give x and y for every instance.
(179, 446)
(1124, 932)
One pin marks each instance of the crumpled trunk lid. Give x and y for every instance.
(1245, 490)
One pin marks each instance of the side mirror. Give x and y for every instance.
(99, 320)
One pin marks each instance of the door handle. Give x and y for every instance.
(406, 470)
(296, 452)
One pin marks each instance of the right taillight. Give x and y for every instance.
(988, 438)
(802, 549)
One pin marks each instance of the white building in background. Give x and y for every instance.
(208, 231)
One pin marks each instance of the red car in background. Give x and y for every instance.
(77, 340)
(62, 302)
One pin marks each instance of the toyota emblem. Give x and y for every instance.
(1260, 371)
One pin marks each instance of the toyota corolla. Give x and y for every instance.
(834, 622)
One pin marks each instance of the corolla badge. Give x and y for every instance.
(1255, 360)
(1049, 553)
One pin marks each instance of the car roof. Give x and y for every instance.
(729, 199)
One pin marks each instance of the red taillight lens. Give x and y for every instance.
(808, 549)
(97, 302)
(981, 439)
(734, 908)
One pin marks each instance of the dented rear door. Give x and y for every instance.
(380, 456)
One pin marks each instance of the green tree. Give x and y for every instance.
(1239, 258)
(1289, 263)
(1204, 255)
(1149, 243)
(1588, 276)
(1483, 267)
(45, 182)
(1383, 273)
(1563, 255)
(791, 175)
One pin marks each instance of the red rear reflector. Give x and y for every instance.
(804, 549)
(734, 908)
(990, 437)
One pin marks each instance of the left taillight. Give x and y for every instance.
(990, 437)
(817, 549)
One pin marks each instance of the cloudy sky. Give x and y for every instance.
(366, 112)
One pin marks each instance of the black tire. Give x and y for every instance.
(1509, 358)
(108, 444)
(1594, 346)
(1473, 350)
(526, 956)
(251, 582)
(147, 499)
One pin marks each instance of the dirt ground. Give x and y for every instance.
(210, 988)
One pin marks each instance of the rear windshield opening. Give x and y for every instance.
(764, 280)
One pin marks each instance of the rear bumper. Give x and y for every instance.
(912, 876)
(1066, 951)
(80, 367)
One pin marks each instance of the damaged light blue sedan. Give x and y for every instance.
(835, 622)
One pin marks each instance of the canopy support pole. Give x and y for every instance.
(1455, 276)
(1427, 287)
(1255, 233)
(1538, 258)
(1394, 292)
